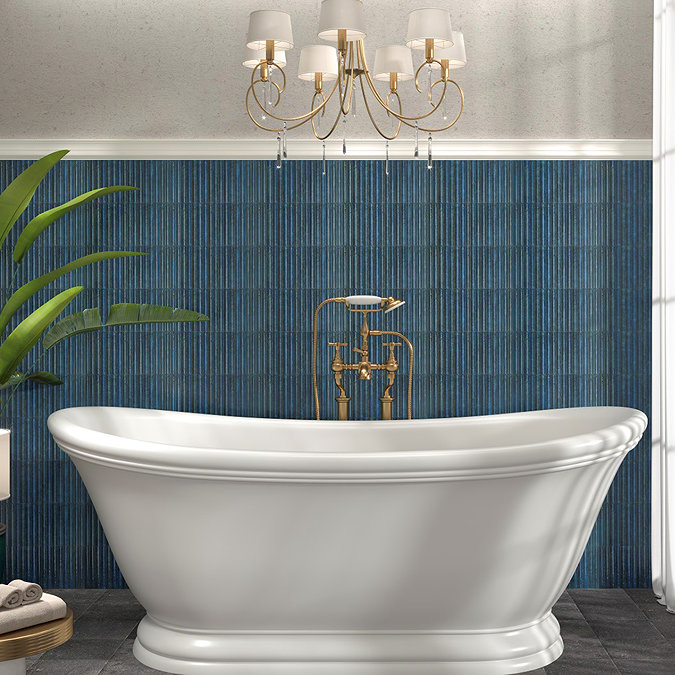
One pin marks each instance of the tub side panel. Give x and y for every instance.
(436, 555)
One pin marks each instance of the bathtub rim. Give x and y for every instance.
(503, 461)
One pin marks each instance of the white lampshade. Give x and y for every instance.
(4, 463)
(393, 59)
(429, 23)
(318, 59)
(341, 15)
(269, 24)
(455, 55)
(252, 57)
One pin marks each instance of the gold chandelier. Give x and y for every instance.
(345, 67)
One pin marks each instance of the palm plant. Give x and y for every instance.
(15, 347)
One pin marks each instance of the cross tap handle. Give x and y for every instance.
(337, 359)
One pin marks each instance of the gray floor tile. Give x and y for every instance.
(76, 657)
(582, 666)
(117, 604)
(667, 630)
(630, 667)
(662, 620)
(606, 603)
(583, 652)
(643, 596)
(122, 595)
(123, 662)
(78, 599)
(32, 660)
(582, 657)
(67, 667)
(656, 611)
(99, 648)
(633, 640)
(95, 626)
(577, 629)
(566, 608)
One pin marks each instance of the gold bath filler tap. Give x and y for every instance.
(364, 367)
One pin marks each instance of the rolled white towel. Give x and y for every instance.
(30, 592)
(10, 597)
(48, 608)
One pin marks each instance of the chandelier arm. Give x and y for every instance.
(333, 127)
(301, 119)
(341, 96)
(417, 72)
(349, 81)
(362, 65)
(280, 90)
(283, 73)
(321, 114)
(262, 126)
(372, 119)
(331, 130)
(381, 101)
(342, 76)
(445, 128)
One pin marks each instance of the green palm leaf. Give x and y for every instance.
(32, 231)
(21, 295)
(134, 313)
(43, 377)
(86, 321)
(121, 314)
(22, 339)
(39, 376)
(16, 197)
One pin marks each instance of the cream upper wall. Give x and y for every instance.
(172, 68)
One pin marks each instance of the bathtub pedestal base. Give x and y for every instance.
(495, 652)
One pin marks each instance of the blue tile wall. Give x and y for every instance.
(527, 286)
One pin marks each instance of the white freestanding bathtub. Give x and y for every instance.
(424, 547)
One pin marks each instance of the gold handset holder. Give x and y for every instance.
(363, 367)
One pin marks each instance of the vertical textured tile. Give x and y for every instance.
(527, 286)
